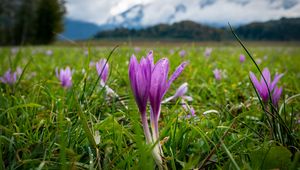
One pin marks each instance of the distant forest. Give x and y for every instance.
(285, 29)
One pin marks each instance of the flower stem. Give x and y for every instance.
(146, 128)
(156, 152)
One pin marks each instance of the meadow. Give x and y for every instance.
(47, 126)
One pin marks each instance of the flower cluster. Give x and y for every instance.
(150, 81)
(207, 52)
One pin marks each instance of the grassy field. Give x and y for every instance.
(46, 126)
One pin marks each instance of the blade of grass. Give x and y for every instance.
(23, 71)
(249, 54)
(201, 166)
(230, 155)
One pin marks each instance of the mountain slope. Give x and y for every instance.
(209, 12)
(79, 30)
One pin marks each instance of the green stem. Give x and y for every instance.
(61, 132)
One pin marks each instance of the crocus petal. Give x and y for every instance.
(9, 77)
(177, 72)
(265, 88)
(159, 85)
(133, 66)
(168, 99)
(182, 53)
(188, 98)
(65, 77)
(207, 52)
(2, 80)
(151, 59)
(256, 83)
(56, 72)
(267, 76)
(217, 74)
(140, 76)
(276, 79)
(192, 110)
(181, 90)
(276, 95)
(242, 58)
(102, 69)
(143, 77)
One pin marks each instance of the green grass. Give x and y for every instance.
(44, 126)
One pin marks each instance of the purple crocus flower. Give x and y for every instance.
(207, 52)
(150, 81)
(14, 50)
(19, 71)
(217, 74)
(92, 64)
(65, 77)
(182, 53)
(140, 78)
(180, 92)
(86, 52)
(258, 61)
(49, 52)
(159, 86)
(189, 109)
(242, 58)
(102, 69)
(262, 86)
(137, 49)
(9, 77)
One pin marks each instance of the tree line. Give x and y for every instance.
(30, 21)
(284, 29)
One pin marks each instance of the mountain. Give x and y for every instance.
(142, 14)
(285, 29)
(79, 30)
(130, 18)
(216, 13)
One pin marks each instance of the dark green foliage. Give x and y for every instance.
(279, 30)
(181, 30)
(284, 30)
(30, 21)
(49, 21)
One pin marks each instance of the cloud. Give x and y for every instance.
(96, 11)
(205, 11)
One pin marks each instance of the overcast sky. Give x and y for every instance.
(205, 11)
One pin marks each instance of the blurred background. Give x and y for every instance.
(26, 22)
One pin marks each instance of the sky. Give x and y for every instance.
(202, 11)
